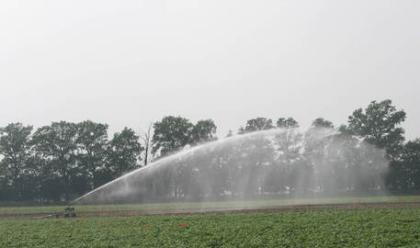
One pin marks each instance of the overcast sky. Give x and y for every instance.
(128, 63)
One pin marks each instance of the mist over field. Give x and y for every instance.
(278, 162)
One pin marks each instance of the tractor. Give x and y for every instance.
(69, 212)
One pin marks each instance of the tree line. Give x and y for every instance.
(63, 160)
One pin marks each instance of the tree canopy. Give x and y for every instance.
(322, 123)
(379, 123)
(63, 160)
(287, 123)
(257, 124)
(174, 133)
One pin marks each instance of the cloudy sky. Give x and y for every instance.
(128, 63)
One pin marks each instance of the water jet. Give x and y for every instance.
(277, 163)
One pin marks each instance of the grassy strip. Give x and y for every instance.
(260, 203)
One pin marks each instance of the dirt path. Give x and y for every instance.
(289, 208)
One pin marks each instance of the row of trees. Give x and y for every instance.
(64, 160)
(61, 160)
(378, 124)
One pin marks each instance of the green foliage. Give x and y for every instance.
(17, 174)
(124, 150)
(326, 228)
(56, 145)
(92, 141)
(257, 124)
(379, 124)
(404, 174)
(204, 131)
(171, 134)
(174, 133)
(322, 123)
(64, 160)
(287, 123)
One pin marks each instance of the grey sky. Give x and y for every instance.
(128, 63)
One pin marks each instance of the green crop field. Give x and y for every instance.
(320, 228)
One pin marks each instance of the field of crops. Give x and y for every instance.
(320, 228)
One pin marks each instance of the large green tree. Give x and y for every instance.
(257, 124)
(204, 131)
(170, 134)
(18, 175)
(287, 123)
(404, 174)
(322, 123)
(124, 151)
(380, 124)
(92, 140)
(56, 146)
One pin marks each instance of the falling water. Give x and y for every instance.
(275, 163)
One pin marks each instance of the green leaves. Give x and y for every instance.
(174, 133)
(170, 134)
(324, 228)
(257, 124)
(379, 124)
(322, 123)
(287, 123)
(123, 152)
(62, 160)
(17, 173)
(204, 131)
